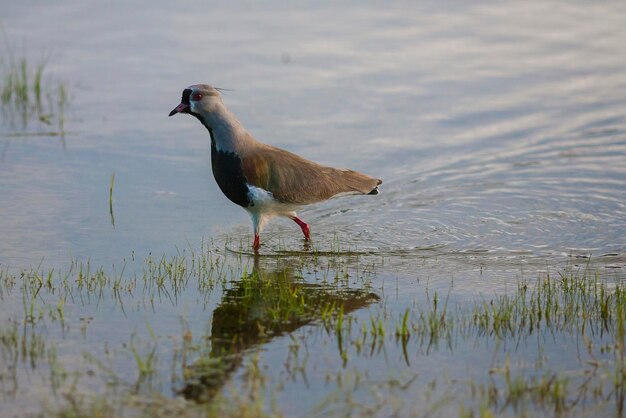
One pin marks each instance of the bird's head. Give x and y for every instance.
(199, 100)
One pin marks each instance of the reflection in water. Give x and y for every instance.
(499, 126)
(261, 306)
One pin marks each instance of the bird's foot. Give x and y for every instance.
(257, 243)
(304, 226)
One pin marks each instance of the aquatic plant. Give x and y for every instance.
(27, 96)
(221, 370)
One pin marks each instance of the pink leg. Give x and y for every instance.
(257, 243)
(305, 228)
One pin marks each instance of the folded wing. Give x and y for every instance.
(293, 179)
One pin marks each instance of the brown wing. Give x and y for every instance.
(292, 179)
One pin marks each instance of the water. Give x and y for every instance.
(496, 127)
(499, 130)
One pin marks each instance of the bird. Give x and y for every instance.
(265, 180)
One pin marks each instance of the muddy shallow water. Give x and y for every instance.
(499, 130)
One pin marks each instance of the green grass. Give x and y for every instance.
(29, 96)
(221, 371)
(575, 303)
(111, 184)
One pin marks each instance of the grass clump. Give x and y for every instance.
(571, 302)
(553, 346)
(27, 96)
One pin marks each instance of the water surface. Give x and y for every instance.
(499, 129)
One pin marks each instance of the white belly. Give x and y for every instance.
(266, 207)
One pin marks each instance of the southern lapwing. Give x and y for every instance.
(264, 180)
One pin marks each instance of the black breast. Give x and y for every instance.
(229, 175)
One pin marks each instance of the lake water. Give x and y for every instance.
(499, 129)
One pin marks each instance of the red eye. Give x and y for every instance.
(196, 96)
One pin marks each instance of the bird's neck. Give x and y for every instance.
(227, 133)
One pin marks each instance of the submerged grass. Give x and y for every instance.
(576, 303)
(27, 95)
(220, 371)
(111, 184)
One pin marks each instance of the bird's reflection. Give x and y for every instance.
(269, 302)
